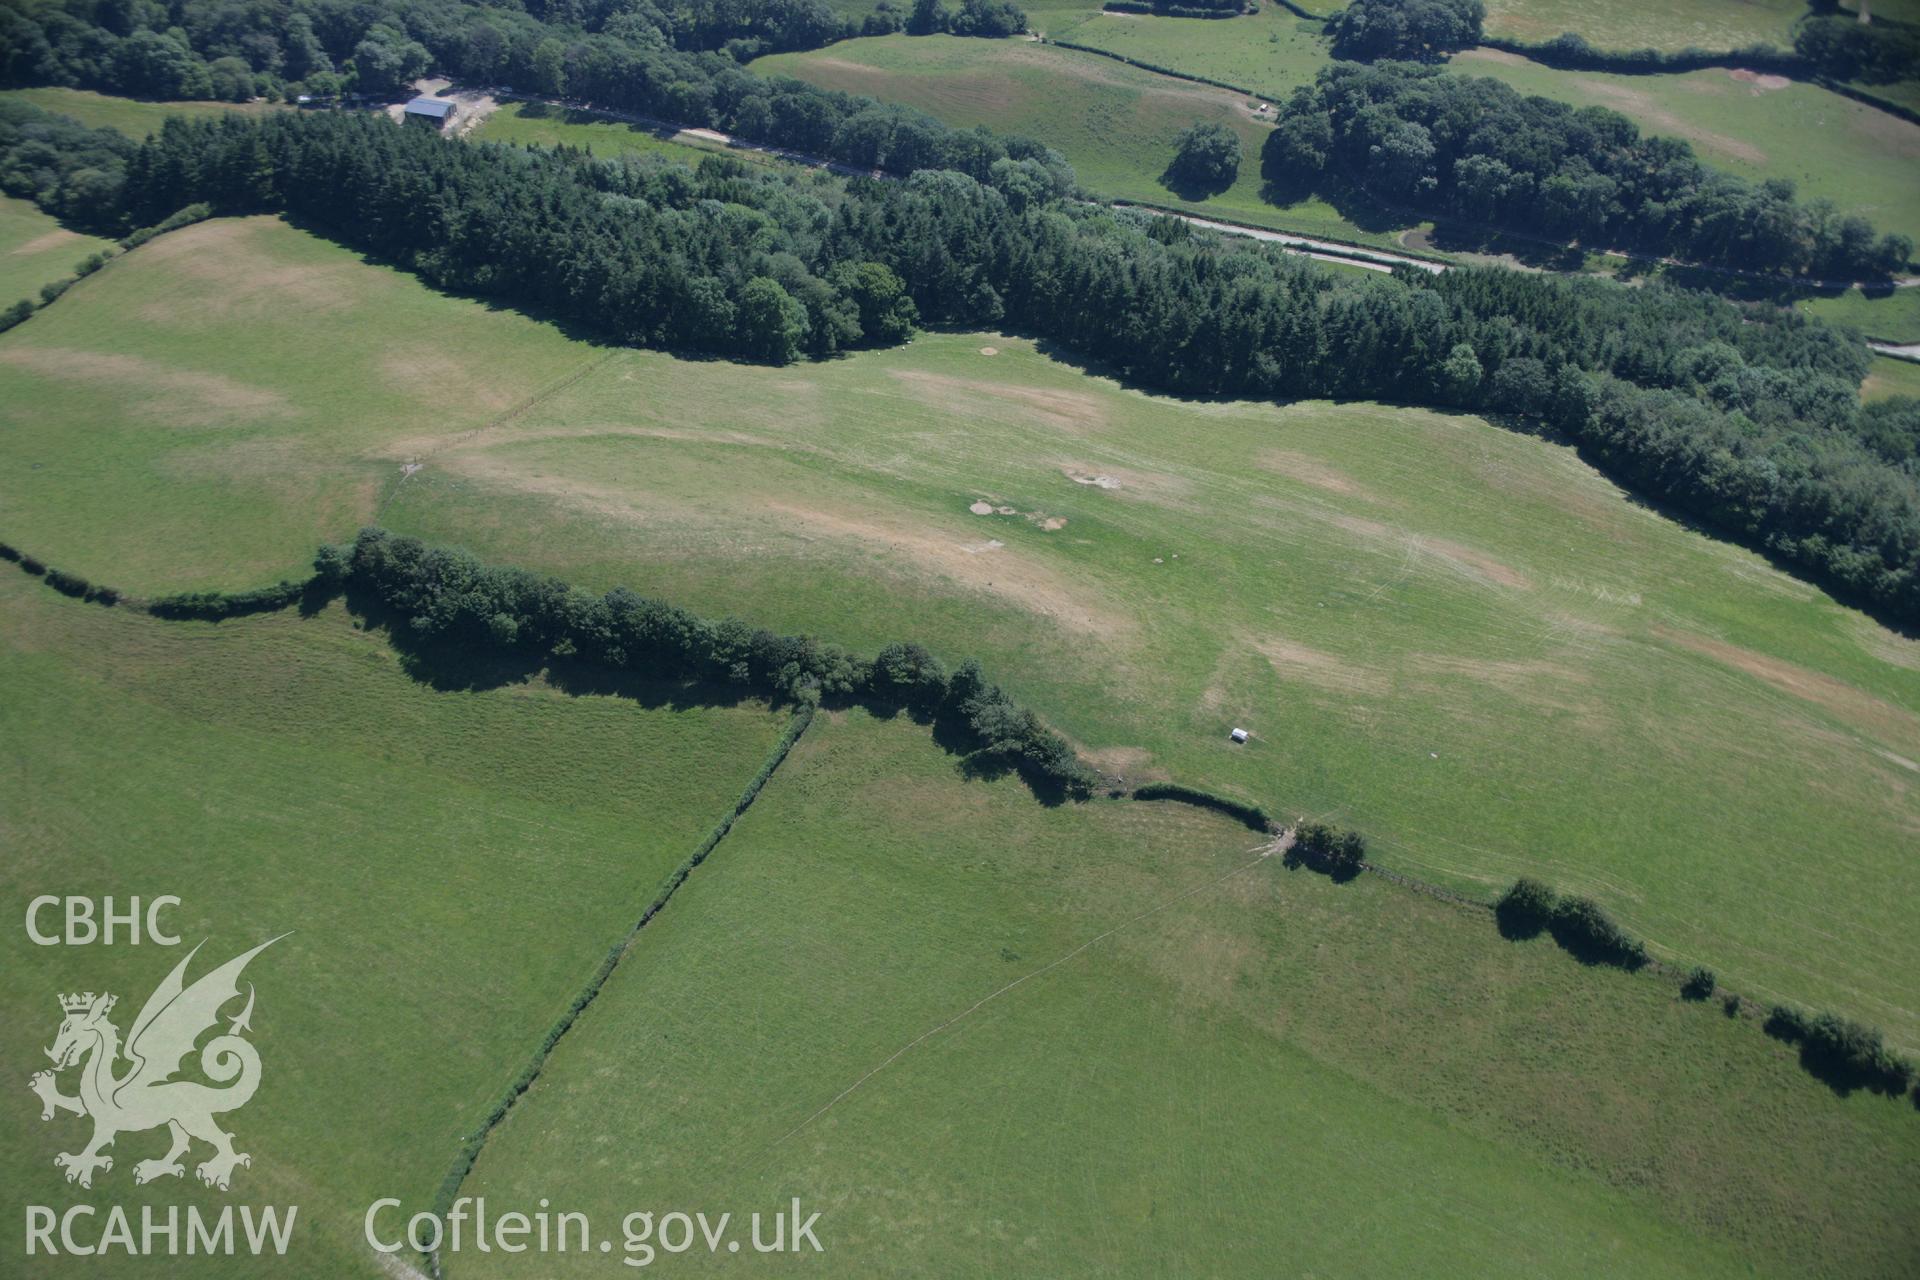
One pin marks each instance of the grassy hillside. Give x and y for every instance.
(1115, 123)
(36, 250)
(1634, 24)
(1462, 640)
(231, 384)
(131, 116)
(453, 866)
(1271, 51)
(1865, 161)
(1207, 1061)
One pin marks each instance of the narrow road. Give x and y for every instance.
(1331, 251)
(1324, 250)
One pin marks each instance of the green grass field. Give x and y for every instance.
(131, 116)
(1212, 1065)
(1460, 640)
(1270, 52)
(535, 124)
(36, 250)
(453, 865)
(238, 381)
(1865, 161)
(1891, 377)
(1627, 24)
(1116, 124)
(1893, 316)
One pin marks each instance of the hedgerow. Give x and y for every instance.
(444, 595)
(1329, 850)
(1525, 909)
(1581, 927)
(211, 606)
(1845, 1053)
(1251, 815)
(1588, 933)
(471, 1146)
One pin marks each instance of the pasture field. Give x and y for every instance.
(452, 865)
(232, 340)
(1460, 640)
(1635, 24)
(132, 116)
(1271, 52)
(1208, 1062)
(1891, 377)
(36, 250)
(536, 124)
(1865, 161)
(1892, 316)
(1116, 124)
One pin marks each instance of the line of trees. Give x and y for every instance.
(1341, 855)
(441, 595)
(1472, 148)
(1416, 30)
(1580, 925)
(1845, 1053)
(1183, 8)
(1745, 417)
(283, 48)
(1882, 52)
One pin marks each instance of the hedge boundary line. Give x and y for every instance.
(475, 1142)
(1157, 68)
(67, 584)
(1596, 940)
(1649, 62)
(23, 310)
(1166, 9)
(1868, 98)
(1585, 57)
(1249, 815)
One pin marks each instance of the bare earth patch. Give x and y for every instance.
(234, 260)
(1132, 763)
(175, 397)
(1071, 410)
(425, 371)
(1322, 670)
(1890, 647)
(1644, 105)
(1311, 471)
(1005, 574)
(1129, 482)
(1761, 83)
(1475, 563)
(41, 243)
(919, 553)
(1858, 708)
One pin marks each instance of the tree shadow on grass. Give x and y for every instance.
(1459, 237)
(1840, 1074)
(1191, 188)
(453, 667)
(1284, 188)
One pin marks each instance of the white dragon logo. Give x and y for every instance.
(146, 1096)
